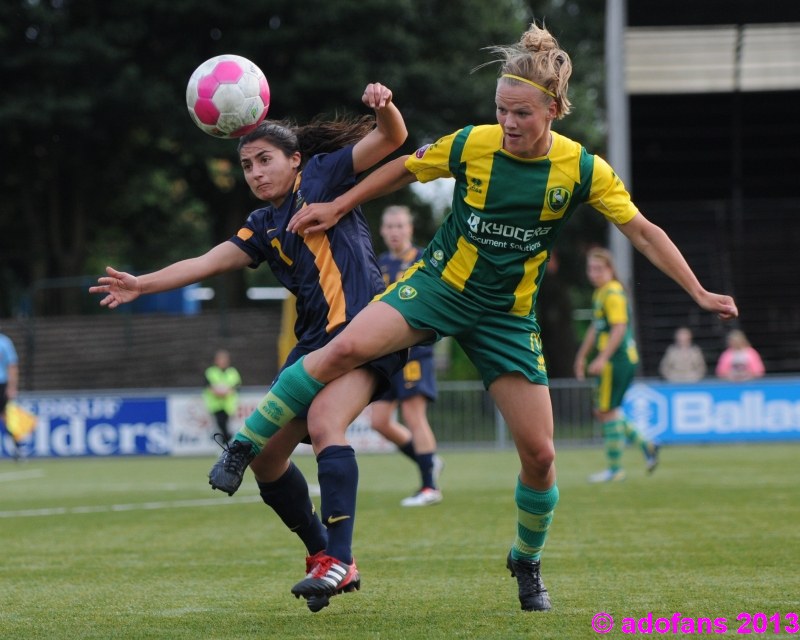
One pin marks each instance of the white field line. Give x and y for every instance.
(21, 475)
(143, 506)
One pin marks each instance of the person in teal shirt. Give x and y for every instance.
(221, 393)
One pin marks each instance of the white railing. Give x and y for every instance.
(465, 415)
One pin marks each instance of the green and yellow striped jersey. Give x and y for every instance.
(610, 306)
(507, 211)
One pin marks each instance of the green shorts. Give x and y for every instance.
(613, 383)
(496, 342)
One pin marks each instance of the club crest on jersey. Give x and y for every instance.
(558, 198)
(406, 292)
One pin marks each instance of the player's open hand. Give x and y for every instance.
(119, 287)
(376, 96)
(312, 218)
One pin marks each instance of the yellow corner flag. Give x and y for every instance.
(19, 421)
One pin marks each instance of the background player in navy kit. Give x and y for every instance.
(333, 276)
(414, 386)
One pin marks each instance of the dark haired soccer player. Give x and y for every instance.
(333, 276)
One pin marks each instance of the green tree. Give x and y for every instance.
(101, 163)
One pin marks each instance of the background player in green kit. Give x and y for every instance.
(516, 184)
(615, 358)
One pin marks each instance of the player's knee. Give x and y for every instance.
(318, 429)
(317, 411)
(414, 412)
(268, 467)
(315, 431)
(546, 457)
(380, 425)
(539, 460)
(325, 419)
(344, 350)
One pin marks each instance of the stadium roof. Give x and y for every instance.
(712, 58)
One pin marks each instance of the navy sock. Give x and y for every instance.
(338, 481)
(425, 462)
(288, 497)
(408, 450)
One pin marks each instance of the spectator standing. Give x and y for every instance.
(683, 360)
(221, 393)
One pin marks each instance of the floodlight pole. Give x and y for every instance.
(618, 128)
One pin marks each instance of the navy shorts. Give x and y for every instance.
(416, 378)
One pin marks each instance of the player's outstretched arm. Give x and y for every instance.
(656, 245)
(120, 287)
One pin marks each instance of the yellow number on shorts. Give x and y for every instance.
(412, 371)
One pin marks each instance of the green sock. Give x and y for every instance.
(634, 436)
(534, 515)
(614, 438)
(292, 392)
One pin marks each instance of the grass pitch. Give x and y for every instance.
(142, 548)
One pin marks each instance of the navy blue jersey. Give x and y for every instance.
(333, 274)
(392, 269)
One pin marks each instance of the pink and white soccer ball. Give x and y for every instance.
(227, 96)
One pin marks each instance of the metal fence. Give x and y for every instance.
(464, 415)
